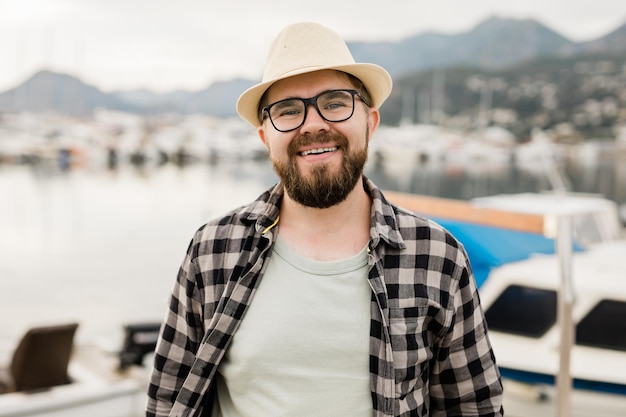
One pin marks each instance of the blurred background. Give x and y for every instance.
(119, 137)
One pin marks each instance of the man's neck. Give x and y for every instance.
(337, 232)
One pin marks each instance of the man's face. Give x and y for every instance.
(320, 162)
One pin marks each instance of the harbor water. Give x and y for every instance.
(102, 246)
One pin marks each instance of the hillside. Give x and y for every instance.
(525, 74)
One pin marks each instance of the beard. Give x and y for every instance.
(322, 188)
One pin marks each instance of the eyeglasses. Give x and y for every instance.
(332, 105)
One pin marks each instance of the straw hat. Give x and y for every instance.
(306, 47)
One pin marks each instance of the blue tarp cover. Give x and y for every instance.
(489, 247)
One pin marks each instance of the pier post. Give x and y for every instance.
(566, 300)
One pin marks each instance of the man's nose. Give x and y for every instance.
(313, 121)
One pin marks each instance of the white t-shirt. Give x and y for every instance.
(302, 349)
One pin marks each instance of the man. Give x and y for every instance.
(321, 298)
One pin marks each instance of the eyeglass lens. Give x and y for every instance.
(333, 106)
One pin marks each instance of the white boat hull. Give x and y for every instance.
(122, 399)
(532, 400)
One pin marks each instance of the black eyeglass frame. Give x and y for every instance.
(312, 101)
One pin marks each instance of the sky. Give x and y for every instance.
(164, 45)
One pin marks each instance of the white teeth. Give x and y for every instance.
(318, 151)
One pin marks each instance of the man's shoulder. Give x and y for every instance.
(408, 224)
(241, 222)
(422, 227)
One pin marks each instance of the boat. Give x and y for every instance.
(512, 242)
(51, 376)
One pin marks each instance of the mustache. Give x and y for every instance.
(304, 140)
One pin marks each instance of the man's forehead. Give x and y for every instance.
(307, 85)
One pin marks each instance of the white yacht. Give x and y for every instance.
(510, 243)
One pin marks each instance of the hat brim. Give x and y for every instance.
(375, 78)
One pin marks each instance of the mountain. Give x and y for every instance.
(218, 99)
(151, 101)
(493, 45)
(614, 42)
(49, 91)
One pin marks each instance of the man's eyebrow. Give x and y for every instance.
(285, 102)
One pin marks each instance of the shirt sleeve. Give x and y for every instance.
(465, 380)
(179, 339)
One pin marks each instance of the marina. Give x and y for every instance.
(124, 131)
(98, 240)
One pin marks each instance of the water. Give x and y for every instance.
(103, 247)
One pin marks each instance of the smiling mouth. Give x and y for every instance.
(318, 151)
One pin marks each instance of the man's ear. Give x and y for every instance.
(373, 119)
(261, 132)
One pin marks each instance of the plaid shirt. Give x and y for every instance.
(429, 350)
